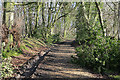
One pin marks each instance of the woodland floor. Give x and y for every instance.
(56, 64)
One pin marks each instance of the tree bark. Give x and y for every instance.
(100, 18)
(0, 39)
(30, 22)
(4, 12)
(64, 34)
(43, 20)
(49, 19)
(37, 17)
(119, 20)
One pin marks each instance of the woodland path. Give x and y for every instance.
(57, 64)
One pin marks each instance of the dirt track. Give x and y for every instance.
(57, 64)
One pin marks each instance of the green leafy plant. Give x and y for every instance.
(7, 69)
(101, 54)
(56, 38)
(8, 52)
(53, 38)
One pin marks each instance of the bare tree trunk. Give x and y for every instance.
(49, 18)
(64, 34)
(0, 39)
(55, 17)
(43, 16)
(4, 12)
(43, 19)
(37, 17)
(25, 19)
(119, 20)
(30, 22)
(100, 18)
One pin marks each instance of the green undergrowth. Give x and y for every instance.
(32, 42)
(7, 68)
(101, 55)
(25, 44)
(8, 52)
(116, 77)
(54, 38)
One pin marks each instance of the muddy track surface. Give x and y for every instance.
(56, 64)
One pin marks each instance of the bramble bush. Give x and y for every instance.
(101, 54)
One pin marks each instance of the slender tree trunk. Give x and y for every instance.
(1, 37)
(55, 17)
(100, 18)
(64, 27)
(119, 20)
(119, 27)
(43, 19)
(30, 22)
(37, 17)
(11, 22)
(49, 18)
(25, 19)
(4, 12)
(43, 16)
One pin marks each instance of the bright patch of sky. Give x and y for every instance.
(0, 4)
